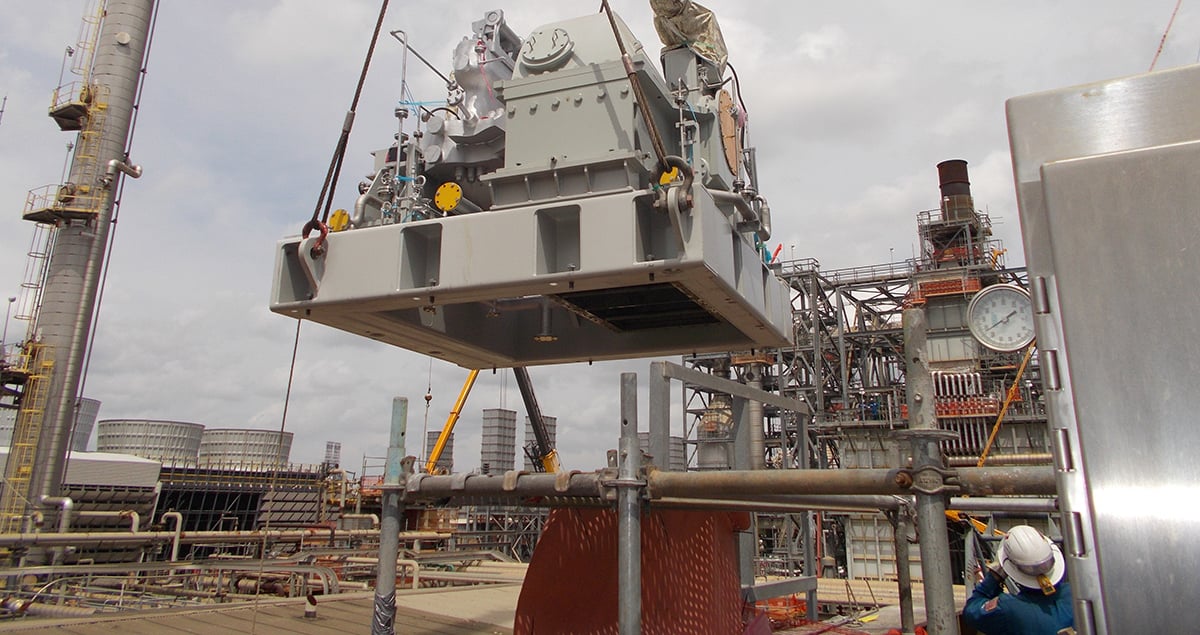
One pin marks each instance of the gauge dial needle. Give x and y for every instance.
(1001, 320)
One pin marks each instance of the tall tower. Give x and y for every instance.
(445, 463)
(101, 110)
(498, 447)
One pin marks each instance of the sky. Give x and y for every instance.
(851, 106)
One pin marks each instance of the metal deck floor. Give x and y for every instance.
(469, 610)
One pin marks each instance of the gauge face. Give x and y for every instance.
(1001, 317)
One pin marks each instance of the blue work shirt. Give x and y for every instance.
(1031, 612)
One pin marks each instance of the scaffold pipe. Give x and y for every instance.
(739, 483)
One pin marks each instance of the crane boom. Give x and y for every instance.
(455, 413)
(545, 454)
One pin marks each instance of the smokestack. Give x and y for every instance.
(952, 178)
(957, 203)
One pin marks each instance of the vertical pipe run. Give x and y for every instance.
(940, 612)
(900, 528)
(660, 415)
(810, 558)
(629, 522)
(758, 447)
(384, 615)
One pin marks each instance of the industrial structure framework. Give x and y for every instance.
(848, 365)
(878, 398)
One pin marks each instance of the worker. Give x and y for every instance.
(1043, 602)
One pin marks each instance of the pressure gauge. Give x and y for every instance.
(1001, 317)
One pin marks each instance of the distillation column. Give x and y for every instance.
(72, 279)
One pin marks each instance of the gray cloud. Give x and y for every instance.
(851, 106)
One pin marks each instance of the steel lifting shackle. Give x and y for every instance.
(321, 245)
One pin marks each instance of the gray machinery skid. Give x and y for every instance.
(525, 222)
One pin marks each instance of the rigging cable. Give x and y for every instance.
(325, 200)
(425, 428)
(1166, 32)
(326, 197)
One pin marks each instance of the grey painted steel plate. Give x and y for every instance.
(603, 277)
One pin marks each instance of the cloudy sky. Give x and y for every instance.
(851, 106)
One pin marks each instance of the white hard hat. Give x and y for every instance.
(1026, 554)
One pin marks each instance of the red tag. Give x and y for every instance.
(991, 605)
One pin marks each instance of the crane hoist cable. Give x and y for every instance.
(665, 162)
(325, 200)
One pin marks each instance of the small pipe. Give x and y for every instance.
(65, 504)
(764, 220)
(360, 208)
(374, 518)
(178, 518)
(900, 525)
(1026, 458)
(125, 514)
(737, 201)
(116, 165)
(1013, 505)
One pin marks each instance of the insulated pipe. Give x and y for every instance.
(178, 518)
(383, 617)
(984, 481)
(1012, 505)
(1026, 458)
(738, 202)
(374, 518)
(65, 505)
(360, 208)
(148, 537)
(781, 504)
(858, 503)
(758, 443)
(980, 481)
(126, 514)
(401, 562)
(764, 220)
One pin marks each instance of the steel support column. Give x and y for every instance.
(629, 515)
(384, 615)
(940, 612)
(660, 415)
(901, 524)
